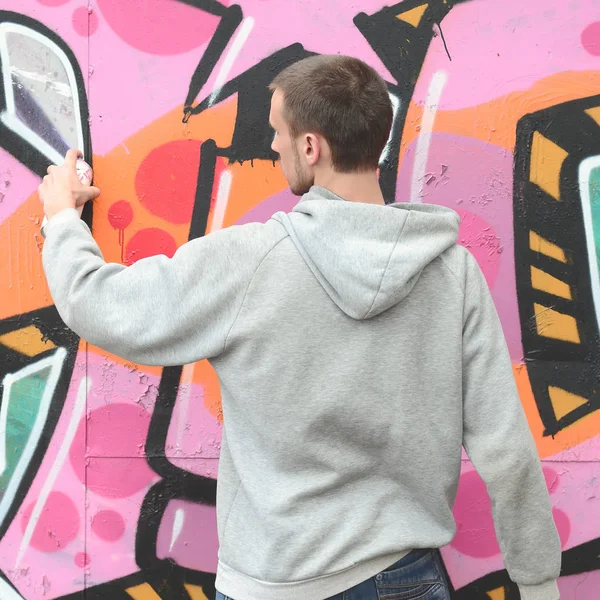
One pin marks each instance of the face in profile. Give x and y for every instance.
(293, 164)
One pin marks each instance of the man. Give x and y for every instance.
(358, 348)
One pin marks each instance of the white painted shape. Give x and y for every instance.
(222, 200)
(8, 593)
(395, 107)
(236, 47)
(434, 93)
(585, 170)
(177, 526)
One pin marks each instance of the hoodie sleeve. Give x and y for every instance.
(159, 311)
(499, 443)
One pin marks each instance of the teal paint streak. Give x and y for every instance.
(24, 404)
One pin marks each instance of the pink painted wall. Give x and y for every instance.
(116, 494)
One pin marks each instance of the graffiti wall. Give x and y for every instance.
(107, 469)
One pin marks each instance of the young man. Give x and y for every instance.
(358, 349)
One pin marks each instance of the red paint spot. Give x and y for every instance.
(52, 2)
(149, 242)
(590, 38)
(473, 513)
(82, 559)
(149, 25)
(477, 235)
(563, 525)
(113, 431)
(57, 526)
(120, 214)
(85, 22)
(166, 180)
(108, 525)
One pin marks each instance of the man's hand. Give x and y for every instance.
(62, 189)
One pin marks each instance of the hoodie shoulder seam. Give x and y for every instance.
(462, 291)
(248, 288)
(387, 266)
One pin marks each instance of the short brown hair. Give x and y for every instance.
(344, 100)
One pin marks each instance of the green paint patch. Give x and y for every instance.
(24, 400)
(594, 191)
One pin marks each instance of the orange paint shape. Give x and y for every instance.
(206, 376)
(573, 435)
(547, 159)
(497, 594)
(553, 324)
(23, 286)
(195, 592)
(538, 244)
(144, 591)
(413, 16)
(251, 183)
(594, 113)
(545, 282)
(564, 402)
(29, 341)
(202, 373)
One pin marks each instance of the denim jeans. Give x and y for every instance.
(417, 576)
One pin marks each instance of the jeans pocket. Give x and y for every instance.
(417, 591)
(414, 577)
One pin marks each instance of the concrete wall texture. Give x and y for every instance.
(107, 469)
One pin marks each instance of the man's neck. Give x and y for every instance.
(353, 187)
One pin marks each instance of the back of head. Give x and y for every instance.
(342, 99)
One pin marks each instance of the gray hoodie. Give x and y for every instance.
(357, 348)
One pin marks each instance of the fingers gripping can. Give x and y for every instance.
(84, 174)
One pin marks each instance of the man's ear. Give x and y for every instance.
(312, 149)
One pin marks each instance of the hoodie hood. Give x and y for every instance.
(367, 257)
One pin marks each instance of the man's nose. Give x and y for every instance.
(274, 142)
